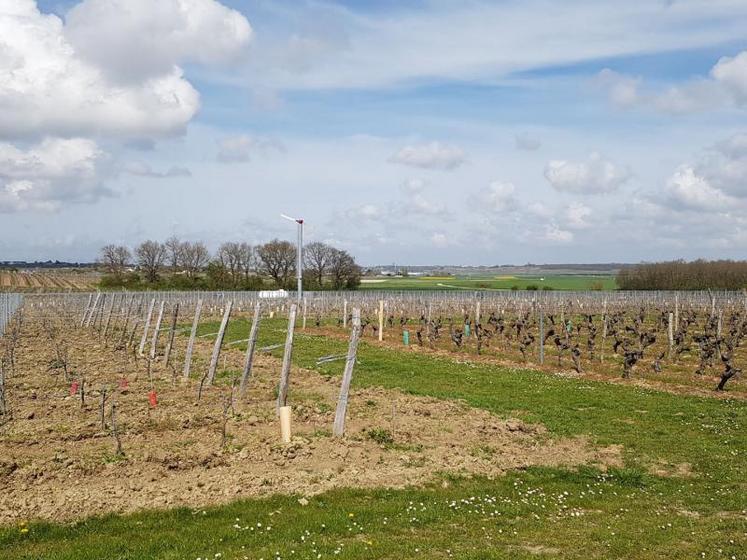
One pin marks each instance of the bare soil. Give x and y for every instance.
(57, 461)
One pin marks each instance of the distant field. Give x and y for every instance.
(47, 280)
(555, 282)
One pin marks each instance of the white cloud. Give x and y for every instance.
(498, 196)
(365, 212)
(136, 40)
(576, 215)
(47, 89)
(725, 87)
(525, 141)
(418, 202)
(433, 155)
(688, 190)
(441, 240)
(554, 234)
(594, 176)
(241, 148)
(142, 169)
(413, 186)
(112, 69)
(539, 210)
(50, 173)
(715, 182)
(734, 147)
(621, 89)
(476, 41)
(732, 73)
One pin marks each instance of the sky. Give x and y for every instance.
(414, 132)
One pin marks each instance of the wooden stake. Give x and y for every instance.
(172, 331)
(251, 344)
(218, 344)
(381, 320)
(191, 343)
(541, 336)
(93, 309)
(285, 371)
(347, 376)
(85, 311)
(144, 338)
(156, 332)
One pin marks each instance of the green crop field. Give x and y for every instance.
(554, 282)
(698, 510)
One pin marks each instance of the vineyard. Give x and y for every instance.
(124, 402)
(48, 281)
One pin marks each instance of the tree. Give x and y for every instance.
(278, 260)
(115, 258)
(228, 257)
(317, 259)
(247, 259)
(174, 249)
(150, 257)
(238, 259)
(217, 275)
(194, 257)
(344, 271)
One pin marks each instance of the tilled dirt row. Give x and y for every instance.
(57, 461)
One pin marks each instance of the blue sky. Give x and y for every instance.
(423, 132)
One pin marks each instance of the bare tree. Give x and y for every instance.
(278, 260)
(194, 257)
(318, 259)
(115, 258)
(230, 256)
(174, 248)
(247, 259)
(150, 257)
(345, 273)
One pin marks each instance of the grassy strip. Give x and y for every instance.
(541, 511)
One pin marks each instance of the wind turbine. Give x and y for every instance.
(299, 256)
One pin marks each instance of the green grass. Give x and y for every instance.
(627, 513)
(555, 282)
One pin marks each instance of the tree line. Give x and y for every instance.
(681, 275)
(237, 265)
